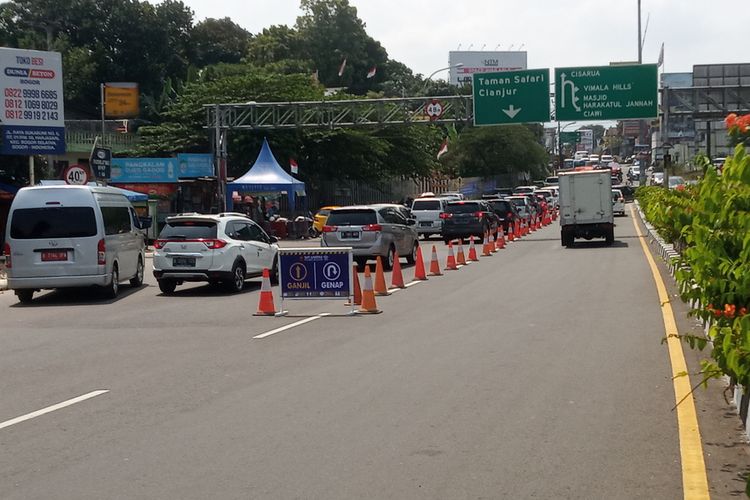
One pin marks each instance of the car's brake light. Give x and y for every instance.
(101, 252)
(329, 229)
(478, 214)
(159, 244)
(214, 244)
(6, 251)
(446, 215)
(509, 215)
(372, 227)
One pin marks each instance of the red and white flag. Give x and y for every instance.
(293, 166)
(372, 72)
(342, 67)
(443, 148)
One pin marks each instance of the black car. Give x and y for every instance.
(462, 219)
(506, 212)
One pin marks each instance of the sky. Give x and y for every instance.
(555, 33)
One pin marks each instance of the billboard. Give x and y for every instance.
(161, 170)
(121, 100)
(480, 61)
(31, 104)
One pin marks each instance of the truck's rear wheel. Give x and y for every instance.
(610, 238)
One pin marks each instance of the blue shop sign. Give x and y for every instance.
(315, 273)
(161, 170)
(195, 165)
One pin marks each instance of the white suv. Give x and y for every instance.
(224, 248)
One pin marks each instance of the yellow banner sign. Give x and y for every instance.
(121, 100)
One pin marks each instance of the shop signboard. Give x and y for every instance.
(161, 170)
(31, 102)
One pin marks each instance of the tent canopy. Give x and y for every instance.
(266, 176)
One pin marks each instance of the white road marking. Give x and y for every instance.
(52, 408)
(416, 282)
(291, 325)
(392, 290)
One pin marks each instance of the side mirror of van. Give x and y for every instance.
(273, 239)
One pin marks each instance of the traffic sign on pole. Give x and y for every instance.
(570, 137)
(606, 92)
(511, 97)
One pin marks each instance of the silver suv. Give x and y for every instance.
(226, 248)
(372, 231)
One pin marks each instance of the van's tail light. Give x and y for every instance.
(478, 214)
(329, 229)
(159, 244)
(621, 200)
(215, 244)
(372, 227)
(101, 253)
(509, 215)
(6, 252)
(446, 215)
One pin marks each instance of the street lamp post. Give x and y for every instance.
(427, 80)
(559, 143)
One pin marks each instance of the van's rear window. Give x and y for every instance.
(425, 205)
(355, 217)
(52, 222)
(188, 230)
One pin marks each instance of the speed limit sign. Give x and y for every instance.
(434, 109)
(75, 174)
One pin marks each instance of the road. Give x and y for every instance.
(536, 373)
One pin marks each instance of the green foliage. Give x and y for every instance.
(489, 151)
(712, 221)
(219, 41)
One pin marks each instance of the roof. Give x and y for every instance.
(130, 195)
(266, 175)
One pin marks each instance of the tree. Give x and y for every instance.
(490, 151)
(332, 33)
(275, 44)
(219, 41)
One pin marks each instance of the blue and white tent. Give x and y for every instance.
(266, 177)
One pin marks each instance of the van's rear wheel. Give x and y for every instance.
(137, 280)
(25, 296)
(412, 257)
(111, 290)
(390, 258)
(167, 287)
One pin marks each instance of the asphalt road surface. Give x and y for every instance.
(536, 373)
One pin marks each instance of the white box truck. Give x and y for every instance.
(586, 206)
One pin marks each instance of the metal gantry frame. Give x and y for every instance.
(221, 118)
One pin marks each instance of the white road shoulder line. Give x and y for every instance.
(291, 325)
(52, 408)
(412, 283)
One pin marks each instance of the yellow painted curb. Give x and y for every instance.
(694, 479)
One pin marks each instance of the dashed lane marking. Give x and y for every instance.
(291, 325)
(50, 409)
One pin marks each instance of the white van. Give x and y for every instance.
(427, 211)
(72, 236)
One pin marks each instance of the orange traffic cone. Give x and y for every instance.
(419, 272)
(532, 225)
(472, 250)
(500, 238)
(460, 257)
(511, 229)
(518, 228)
(368, 305)
(486, 251)
(451, 263)
(357, 289)
(397, 278)
(434, 264)
(265, 305)
(492, 243)
(380, 288)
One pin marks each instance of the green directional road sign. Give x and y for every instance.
(511, 97)
(570, 137)
(606, 92)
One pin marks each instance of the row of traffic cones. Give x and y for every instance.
(365, 296)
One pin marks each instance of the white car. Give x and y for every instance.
(224, 248)
(618, 202)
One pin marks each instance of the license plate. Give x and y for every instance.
(54, 255)
(425, 223)
(350, 234)
(183, 261)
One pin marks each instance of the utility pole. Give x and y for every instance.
(641, 123)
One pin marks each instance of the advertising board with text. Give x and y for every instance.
(31, 102)
(606, 92)
(121, 100)
(315, 273)
(511, 97)
(464, 63)
(152, 170)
